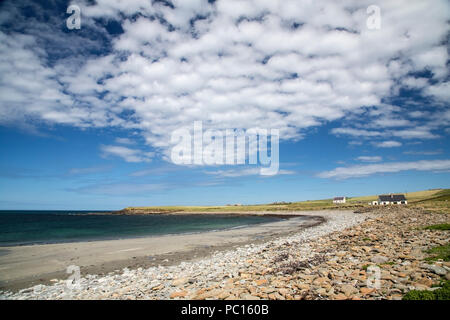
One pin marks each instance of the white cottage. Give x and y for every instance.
(339, 199)
(387, 199)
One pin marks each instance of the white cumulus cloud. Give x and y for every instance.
(284, 64)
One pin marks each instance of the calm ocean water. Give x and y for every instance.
(31, 227)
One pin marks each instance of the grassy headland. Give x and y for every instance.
(435, 199)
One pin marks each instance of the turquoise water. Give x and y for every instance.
(32, 227)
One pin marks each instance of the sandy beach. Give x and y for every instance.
(24, 266)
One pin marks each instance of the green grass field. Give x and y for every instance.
(437, 200)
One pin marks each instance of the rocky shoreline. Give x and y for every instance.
(328, 261)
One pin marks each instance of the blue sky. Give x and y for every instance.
(86, 115)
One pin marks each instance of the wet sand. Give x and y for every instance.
(24, 266)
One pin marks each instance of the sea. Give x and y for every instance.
(39, 227)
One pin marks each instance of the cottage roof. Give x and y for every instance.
(392, 197)
(338, 198)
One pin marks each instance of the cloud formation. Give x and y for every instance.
(366, 170)
(127, 154)
(388, 144)
(369, 158)
(232, 64)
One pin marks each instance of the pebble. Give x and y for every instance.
(379, 259)
(436, 269)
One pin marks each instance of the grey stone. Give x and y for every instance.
(379, 259)
(438, 270)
